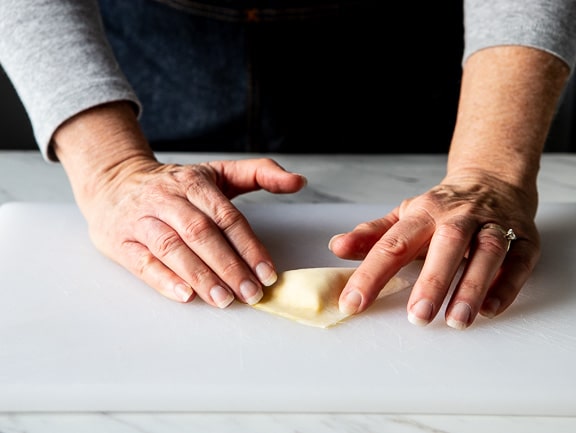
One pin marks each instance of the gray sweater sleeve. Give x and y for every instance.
(549, 25)
(57, 57)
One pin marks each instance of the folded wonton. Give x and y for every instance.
(310, 295)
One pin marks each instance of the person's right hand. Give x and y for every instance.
(173, 226)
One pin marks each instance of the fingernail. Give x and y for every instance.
(184, 292)
(420, 313)
(490, 307)
(221, 297)
(251, 292)
(351, 302)
(266, 274)
(459, 316)
(332, 239)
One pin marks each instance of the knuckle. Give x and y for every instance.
(454, 231)
(492, 244)
(233, 267)
(228, 217)
(198, 229)
(166, 243)
(472, 287)
(434, 284)
(199, 275)
(393, 245)
(141, 264)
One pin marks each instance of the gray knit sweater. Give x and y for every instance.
(57, 57)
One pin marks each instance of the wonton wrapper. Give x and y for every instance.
(310, 295)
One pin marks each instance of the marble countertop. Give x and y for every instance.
(25, 176)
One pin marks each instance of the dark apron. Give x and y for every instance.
(291, 76)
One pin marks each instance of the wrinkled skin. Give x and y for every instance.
(507, 100)
(174, 226)
(443, 227)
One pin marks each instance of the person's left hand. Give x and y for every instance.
(445, 225)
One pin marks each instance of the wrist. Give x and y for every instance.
(101, 144)
(490, 183)
(519, 169)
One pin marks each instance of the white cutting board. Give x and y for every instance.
(77, 332)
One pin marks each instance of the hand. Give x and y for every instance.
(174, 226)
(507, 101)
(445, 225)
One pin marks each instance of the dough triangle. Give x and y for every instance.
(310, 295)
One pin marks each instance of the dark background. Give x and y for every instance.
(16, 132)
(15, 129)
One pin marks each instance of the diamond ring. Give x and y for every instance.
(509, 234)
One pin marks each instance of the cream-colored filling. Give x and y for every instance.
(310, 295)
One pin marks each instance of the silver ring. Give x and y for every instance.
(509, 234)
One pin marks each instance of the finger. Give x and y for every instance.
(518, 265)
(139, 261)
(168, 248)
(238, 177)
(226, 245)
(445, 254)
(356, 244)
(486, 255)
(396, 248)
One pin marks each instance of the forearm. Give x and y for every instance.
(508, 98)
(57, 56)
